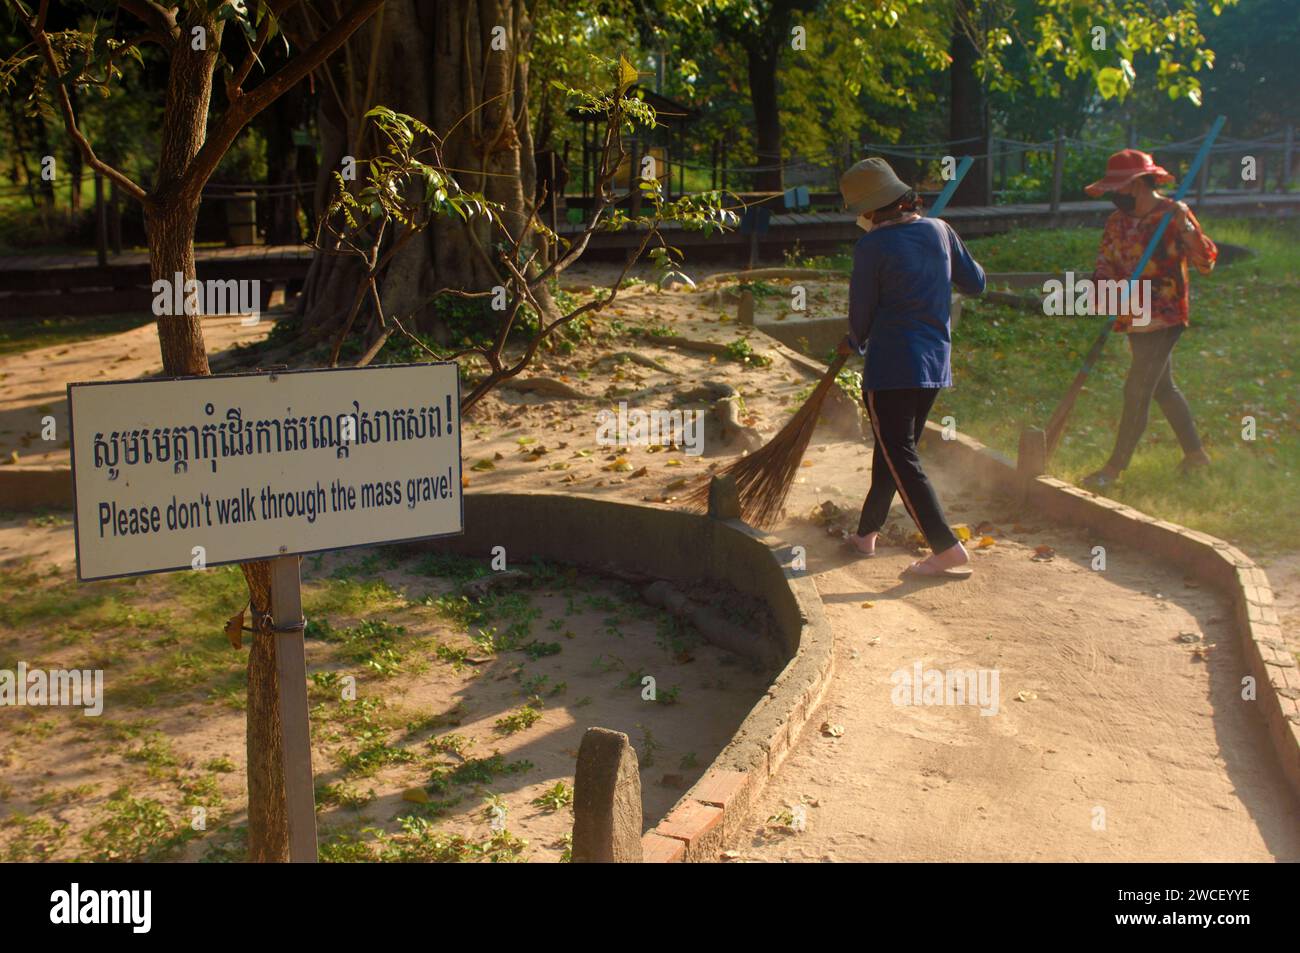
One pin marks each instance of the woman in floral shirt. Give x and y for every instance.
(1131, 179)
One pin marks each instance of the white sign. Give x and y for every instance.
(200, 471)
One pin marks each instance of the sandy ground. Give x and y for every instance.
(1119, 733)
(33, 384)
(1131, 742)
(50, 753)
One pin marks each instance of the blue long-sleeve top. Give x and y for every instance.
(899, 299)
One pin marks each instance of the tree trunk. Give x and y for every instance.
(170, 215)
(171, 253)
(762, 60)
(434, 60)
(968, 116)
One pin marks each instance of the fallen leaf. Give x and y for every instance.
(483, 465)
(832, 731)
(235, 629)
(987, 541)
(868, 605)
(962, 531)
(416, 795)
(1026, 696)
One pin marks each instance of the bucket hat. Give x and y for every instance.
(1125, 166)
(870, 184)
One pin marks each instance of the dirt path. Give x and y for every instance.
(1122, 722)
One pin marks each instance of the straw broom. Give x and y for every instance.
(763, 478)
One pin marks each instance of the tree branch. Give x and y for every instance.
(155, 16)
(234, 86)
(250, 104)
(42, 41)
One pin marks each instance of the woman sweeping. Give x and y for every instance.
(1131, 179)
(904, 270)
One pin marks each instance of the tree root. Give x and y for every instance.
(545, 387)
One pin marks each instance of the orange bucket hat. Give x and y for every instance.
(1125, 166)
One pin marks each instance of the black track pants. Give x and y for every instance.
(897, 422)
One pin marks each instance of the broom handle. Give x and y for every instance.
(1056, 424)
(832, 370)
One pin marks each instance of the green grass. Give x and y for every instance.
(1237, 359)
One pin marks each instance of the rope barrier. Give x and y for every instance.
(830, 161)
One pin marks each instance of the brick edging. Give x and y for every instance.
(1207, 558)
(711, 815)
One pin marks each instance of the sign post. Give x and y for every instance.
(287, 625)
(196, 472)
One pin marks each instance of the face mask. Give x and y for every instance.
(864, 222)
(1125, 203)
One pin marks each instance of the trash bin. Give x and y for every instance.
(241, 219)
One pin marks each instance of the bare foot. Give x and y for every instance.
(863, 544)
(951, 562)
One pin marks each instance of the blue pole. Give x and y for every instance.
(946, 195)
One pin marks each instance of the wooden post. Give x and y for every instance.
(606, 800)
(114, 218)
(555, 207)
(586, 163)
(1031, 462)
(1288, 149)
(295, 729)
(1032, 458)
(745, 308)
(988, 168)
(681, 164)
(1058, 169)
(634, 180)
(724, 499)
(101, 222)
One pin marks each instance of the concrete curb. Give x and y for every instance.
(1204, 557)
(35, 488)
(678, 545)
